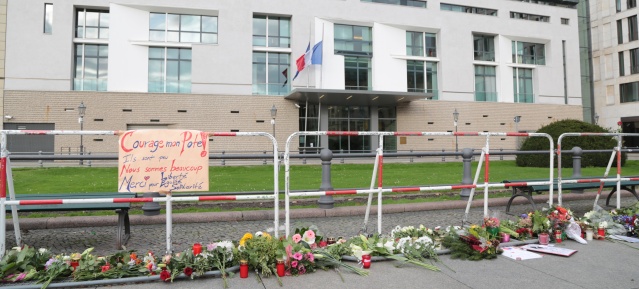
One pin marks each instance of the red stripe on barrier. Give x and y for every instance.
(517, 134)
(634, 179)
(217, 198)
(519, 184)
(487, 167)
(407, 133)
(380, 171)
(333, 133)
(141, 200)
(34, 131)
(402, 190)
(131, 200)
(619, 163)
(456, 187)
(462, 133)
(589, 181)
(41, 202)
(222, 134)
(3, 177)
(346, 192)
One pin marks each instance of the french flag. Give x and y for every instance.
(310, 57)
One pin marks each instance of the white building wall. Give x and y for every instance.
(128, 62)
(387, 69)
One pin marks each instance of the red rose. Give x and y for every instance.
(165, 275)
(188, 271)
(323, 244)
(619, 123)
(106, 268)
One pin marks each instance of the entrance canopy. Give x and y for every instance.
(355, 97)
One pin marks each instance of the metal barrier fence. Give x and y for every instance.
(5, 174)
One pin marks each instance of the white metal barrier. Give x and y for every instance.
(378, 170)
(615, 153)
(6, 181)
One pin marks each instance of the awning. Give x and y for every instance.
(355, 97)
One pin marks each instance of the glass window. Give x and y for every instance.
(632, 28)
(169, 70)
(421, 77)
(411, 3)
(484, 47)
(528, 53)
(349, 118)
(309, 121)
(523, 85)
(634, 60)
(485, 83)
(270, 73)
(619, 32)
(618, 5)
(421, 44)
(48, 18)
(622, 64)
(271, 31)
(531, 17)
(631, 4)
(357, 73)
(387, 121)
(92, 24)
(91, 67)
(565, 21)
(629, 92)
(353, 40)
(166, 27)
(467, 9)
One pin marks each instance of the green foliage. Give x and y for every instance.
(557, 128)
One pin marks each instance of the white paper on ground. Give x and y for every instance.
(549, 249)
(624, 238)
(517, 253)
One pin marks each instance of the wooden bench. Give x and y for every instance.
(527, 191)
(122, 209)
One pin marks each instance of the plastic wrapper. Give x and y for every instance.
(573, 231)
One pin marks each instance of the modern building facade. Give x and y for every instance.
(386, 65)
(615, 61)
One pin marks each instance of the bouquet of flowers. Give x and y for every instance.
(559, 217)
(374, 245)
(524, 226)
(540, 222)
(629, 218)
(410, 231)
(119, 265)
(261, 251)
(299, 255)
(418, 251)
(601, 218)
(478, 244)
(22, 263)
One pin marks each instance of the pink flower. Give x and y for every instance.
(211, 246)
(289, 251)
(309, 237)
(301, 269)
(310, 256)
(297, 256)
(313, 246)
(293, 264)
(297, 238)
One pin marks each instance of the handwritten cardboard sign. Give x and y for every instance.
(163, 160)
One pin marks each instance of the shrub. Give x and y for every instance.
(557, 128)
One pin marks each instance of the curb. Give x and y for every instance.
(237, 216)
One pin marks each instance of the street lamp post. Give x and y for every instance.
(81, 110)
(596, 118)
(273, 115)
(516, 119)
(456, 118)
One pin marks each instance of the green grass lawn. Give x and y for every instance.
(305, 177)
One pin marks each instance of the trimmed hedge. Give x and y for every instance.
(557, 128)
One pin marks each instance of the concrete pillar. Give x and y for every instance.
(576, 166)
(151, 208)
(467, 156)
(326, 202)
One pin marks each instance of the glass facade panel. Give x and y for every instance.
(634, 60)
(270, 73)
(352, 118)
(92, 24)
(309, 121)
(271, 31)
(622, 64)
(91, 67)
(528, 53)
(167, 27)
(632, 28)
(629, 92)
(484, 46)
(485, 83)
(169, 70)
(357, 73)
(522, 85)
(353, 40)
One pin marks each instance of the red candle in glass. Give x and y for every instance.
(558, 236)
(75, 264)
(601, 231)
(243, 269)
(366, 261)
(280, 268)
(197, 248)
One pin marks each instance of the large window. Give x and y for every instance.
(387, 121)
(412, 3)
(484, 46)
(629, 92)
(357, 73)
(485, 83)
(468, 9)
(632, 3)
(422, 77)
(618, 5)
(166, 27)
(271, 31)
(349, 118)
(91, 67)
(528, 53)
(92, 24)
(632, 28)
(270, 73)
(309, 121)
(622, 64)
(169, 70)
(523, 85)
(353, 40)
(421, 44)
(634, 60)
(531, 17)
(619, 32)
(48, 18)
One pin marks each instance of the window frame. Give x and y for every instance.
(358, 69)
(633, 32)
(484, 40)
(484, 76)
(522, 58)
(267, 36)
(79, 81)
(165, 71)
(280, 88)
(167, 31)
(101, 30)
(47, 25)
(362, 43)
(517, 85)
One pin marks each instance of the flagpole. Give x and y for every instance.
(310, 32)
(306, 121)
(322, 67)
